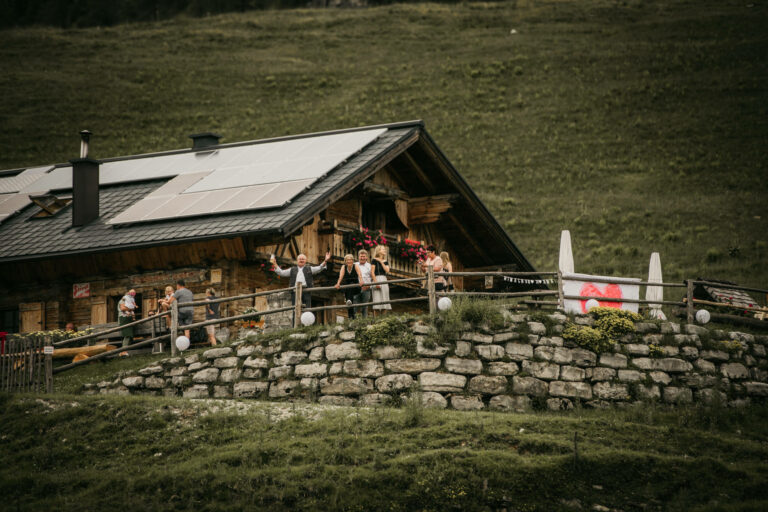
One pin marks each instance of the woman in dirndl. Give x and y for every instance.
(381, 292)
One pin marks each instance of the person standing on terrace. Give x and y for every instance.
(434, 261)
(126, 313)
(301, 273)
(348, 275)
(368, 275)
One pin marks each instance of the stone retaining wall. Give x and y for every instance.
(526, 364)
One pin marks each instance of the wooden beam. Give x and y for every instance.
(377, 189)
(419, 172)
(425, 210)
(460, 226)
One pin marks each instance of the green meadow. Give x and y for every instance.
(639, 125)
(142, 453)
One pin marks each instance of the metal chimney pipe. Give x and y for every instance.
(85, 137)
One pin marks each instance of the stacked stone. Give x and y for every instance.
(524, 364)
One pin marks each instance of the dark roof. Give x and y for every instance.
(26, 239)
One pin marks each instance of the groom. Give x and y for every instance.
(301, 273)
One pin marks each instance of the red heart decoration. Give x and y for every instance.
(612, 291)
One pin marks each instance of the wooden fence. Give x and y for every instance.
(25, 365)
(25, 368)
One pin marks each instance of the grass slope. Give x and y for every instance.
(639, 126)
(141, 453)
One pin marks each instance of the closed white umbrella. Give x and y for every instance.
(654, 293)
(566, 254)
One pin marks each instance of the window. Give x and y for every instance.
(49, 205)
(9, 320)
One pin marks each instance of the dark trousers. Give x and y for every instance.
(306, 299)
(349, 294)
(360, 298)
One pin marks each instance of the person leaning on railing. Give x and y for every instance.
(368, 274)
(349, 274)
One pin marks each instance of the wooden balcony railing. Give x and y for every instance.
(399, 267)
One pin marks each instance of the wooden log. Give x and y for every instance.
(297, 305)
(498, 294)
(495, 273)
(560, 293)
(633, 301)
(731, 286)
(48, 367)
(609, 280)
(689, 303)
(431, 290)
(88, 351)
(174, 327)
(728, 305)
(361, 304)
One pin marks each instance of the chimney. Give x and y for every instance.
(85, 185)
(85, 137)
(203, 140)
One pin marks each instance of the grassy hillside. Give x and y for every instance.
(639, 126)
(134, 453)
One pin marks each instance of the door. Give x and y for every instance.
(31, 316)
(98, 310)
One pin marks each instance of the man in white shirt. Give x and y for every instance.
(301, 273)
(126, 313)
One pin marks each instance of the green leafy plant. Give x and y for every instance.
(391, 330)
(610, 324)
(655, 350)
(587, 337)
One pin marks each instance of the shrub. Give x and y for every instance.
(476, 312)
(587, 337)
(601, 312)
(614, 327)
(392, 330)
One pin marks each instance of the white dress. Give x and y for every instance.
(381, 293)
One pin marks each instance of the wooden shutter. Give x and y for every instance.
(98, 310)
(30, 317)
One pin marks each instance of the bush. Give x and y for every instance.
(602, 312)
(391, 330)
(587, 337)
(450, 323)
(614, 327)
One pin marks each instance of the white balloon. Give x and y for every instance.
(444, 304)
(592, 303)
(307, 318)
(702, 316)
(182, 343)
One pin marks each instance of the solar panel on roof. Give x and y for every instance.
(59, 178)
(206, 202)
(11, 203)
(296, 159)
(246, 196)
(178, 184)
(257, 176)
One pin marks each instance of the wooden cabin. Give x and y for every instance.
(76, 236)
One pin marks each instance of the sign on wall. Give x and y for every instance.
(615, 288)
(81, 290)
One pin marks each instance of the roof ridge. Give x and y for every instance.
(399, 124)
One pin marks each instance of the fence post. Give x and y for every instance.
(431, 290)
(560, 294)
(48, 365)
(689, 305)
(174, 327)
(297, 305)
